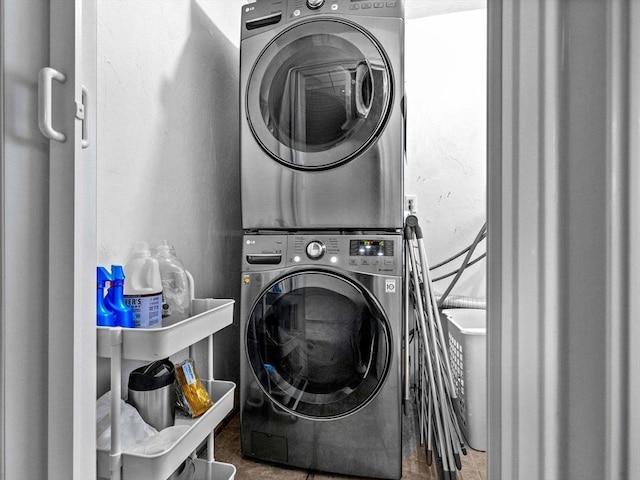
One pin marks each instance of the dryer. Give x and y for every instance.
(322, 114)
(320, 341)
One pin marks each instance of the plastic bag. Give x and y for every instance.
(133, 429)
(193, 398)
(161, 442)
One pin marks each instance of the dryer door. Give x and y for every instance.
(319, 94)
(318, 345)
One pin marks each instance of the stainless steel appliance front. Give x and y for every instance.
(322, 121)
(320, 376)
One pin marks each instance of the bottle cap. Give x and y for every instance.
(141, 250)
(117, 272)
(164, 248)
(103, 277)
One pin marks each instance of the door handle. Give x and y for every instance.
(45, 80)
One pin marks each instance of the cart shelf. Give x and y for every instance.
(153, 344)
(189, 432)
(149, 344)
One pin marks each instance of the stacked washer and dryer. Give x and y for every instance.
(322, 148)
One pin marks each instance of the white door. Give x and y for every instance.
(47, 241)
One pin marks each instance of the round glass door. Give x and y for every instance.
(319, 94)
(318, 346)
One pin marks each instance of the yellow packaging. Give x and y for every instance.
(195, 397)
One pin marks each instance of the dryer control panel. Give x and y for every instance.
(264, 15)
(385, 8)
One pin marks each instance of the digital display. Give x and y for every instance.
(371, 248)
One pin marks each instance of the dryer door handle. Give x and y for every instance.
(264, 258)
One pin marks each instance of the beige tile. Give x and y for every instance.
(415, 467)
(248, 469)
(468, 475)
(469, 461)
(480, 459)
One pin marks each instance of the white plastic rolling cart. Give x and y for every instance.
(155, 344)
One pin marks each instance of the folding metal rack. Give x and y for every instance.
(428, 364)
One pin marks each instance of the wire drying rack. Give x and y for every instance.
(427, 362)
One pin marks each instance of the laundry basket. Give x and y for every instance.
(467, 352)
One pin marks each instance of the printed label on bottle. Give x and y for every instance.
(147, 310)
(188, 374)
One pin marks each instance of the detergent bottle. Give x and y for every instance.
(175, 284)
(143, 287)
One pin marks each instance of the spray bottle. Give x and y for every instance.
(115, 299)
(105, 317)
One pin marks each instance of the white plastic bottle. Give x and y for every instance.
(143, 287)
(175, 284)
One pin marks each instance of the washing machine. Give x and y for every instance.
(320, 342)
(322, 114)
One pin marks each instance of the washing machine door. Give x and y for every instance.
(319, 94)
(318, 344)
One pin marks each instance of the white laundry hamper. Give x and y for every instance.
(467, 352)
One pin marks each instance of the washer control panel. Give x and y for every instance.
(370, 253)
(376, 253)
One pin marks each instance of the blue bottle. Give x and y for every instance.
(105, 317)
(115, 299)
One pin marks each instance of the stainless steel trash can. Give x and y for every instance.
(152, 393)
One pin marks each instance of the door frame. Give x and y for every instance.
(72, 246)
(564, 211)
(2, 262)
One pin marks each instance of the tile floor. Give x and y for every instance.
(414, 466)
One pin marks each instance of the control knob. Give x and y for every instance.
(315, 250)
(315, 4)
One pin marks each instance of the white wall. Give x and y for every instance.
(446, 136)
(168, 162)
